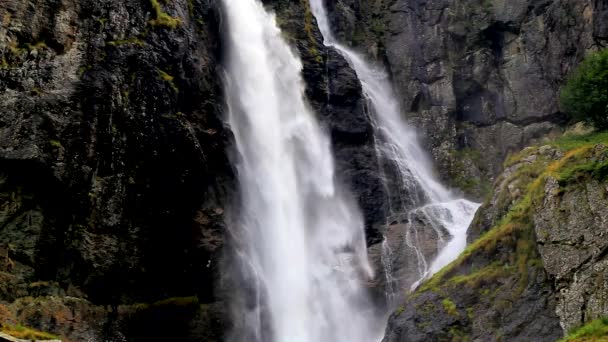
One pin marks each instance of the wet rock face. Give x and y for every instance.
(114, 174)
(115, 171)
(536, 263)
(480, 77)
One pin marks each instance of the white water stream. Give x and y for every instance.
(397, 142)
(299, 240)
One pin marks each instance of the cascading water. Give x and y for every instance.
(299, 241)
(397, 142)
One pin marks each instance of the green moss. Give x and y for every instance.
(22, 332)
(102, 23)
(459, 172)
(573, 141)
(450, 307)
(169, 79)
(56, 143)
(471, 313)
(515, 229)
(594, 168)
(36, 46)
(82, 70)
(595, 331)
(191, 7)
(162, 18)
(399, 310)
(514, 158)
(457, 335)
(128, 41)
(477, 278)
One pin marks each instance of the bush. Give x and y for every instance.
(585, 96)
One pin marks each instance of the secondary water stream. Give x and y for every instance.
(398, 143)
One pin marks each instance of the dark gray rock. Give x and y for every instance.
(112, 154)
(479, 77)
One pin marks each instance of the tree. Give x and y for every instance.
(585, 95)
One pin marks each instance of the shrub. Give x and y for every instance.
(593, 331)
(585, 96)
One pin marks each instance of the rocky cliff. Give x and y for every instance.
(116, 165)
(535, 268)
(114, 174)
(481, 77)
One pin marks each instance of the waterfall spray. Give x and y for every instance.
(397, 142)
(299, 242)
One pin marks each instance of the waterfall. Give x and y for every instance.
(428, 200)
(298, 240)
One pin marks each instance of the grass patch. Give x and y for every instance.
(595, 331)
(572, 141)
(477, 278)
(515, 229)
(22, 332)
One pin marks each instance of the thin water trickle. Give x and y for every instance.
(299, 247)
(397, 142)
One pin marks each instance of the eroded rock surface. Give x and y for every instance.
(481, 78)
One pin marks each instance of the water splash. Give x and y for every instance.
(299, 246)
(397, 143)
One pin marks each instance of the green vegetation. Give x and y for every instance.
(514, 233)
(55, 143)
(36, 46)
(128, 41)
(19, 331)
(572, 141)
(450, 307)
(595, 331)
(162, 18)
(462, 161)
(457, 335)
(168, 78)
(585, 96)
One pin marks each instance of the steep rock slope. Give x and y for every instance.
(536, 266)
(480, 77)
(114, 171)
(115, 162)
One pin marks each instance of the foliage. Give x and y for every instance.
(515, 229)
(450, 307)
(169, 79)
(22, 332)
(162, 18)
(595, 331)
(585, 96)
(128, 41)
(56, 143)
(570, 142)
